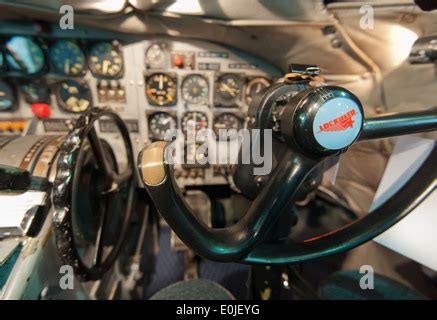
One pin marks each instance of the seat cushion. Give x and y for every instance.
(345, 285)
(199, 289)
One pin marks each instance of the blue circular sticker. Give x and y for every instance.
(337, 123)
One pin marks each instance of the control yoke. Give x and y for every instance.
(316, 123)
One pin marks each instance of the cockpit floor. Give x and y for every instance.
(169, 268)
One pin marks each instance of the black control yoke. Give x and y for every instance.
(316, 123)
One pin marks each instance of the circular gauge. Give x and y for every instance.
(161, 89)
(73, 96)
(106, 60)
(195, 89)
(255, 86)
(228, 89)
(155, 56)
(24, 55)
(160, 123)
(7, 97)
(67, 58)
(194, 122)
(35, 92)
(225, 122)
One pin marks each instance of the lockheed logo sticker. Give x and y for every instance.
(337, 123)
(341, 123)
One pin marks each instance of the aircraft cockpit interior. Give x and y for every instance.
(218, 150)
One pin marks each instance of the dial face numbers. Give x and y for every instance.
(106, 60)
(73, 96)
(161, 89)
(160, 123)
(35, 92)
(194, 122)
(7, 97)
(228, 89)
(24, 55)
(156, 56)
(254, 87)
(225, 122)
(195, 89)
(67, 58)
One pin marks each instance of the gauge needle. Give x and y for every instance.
(105, 66)
(228, 89)
(194, 123)
(161, 81)
(67, 66)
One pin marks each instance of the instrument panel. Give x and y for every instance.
(156, 85)
(191, 86)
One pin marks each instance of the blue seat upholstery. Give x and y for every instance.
(200, 289)
(345, 285)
